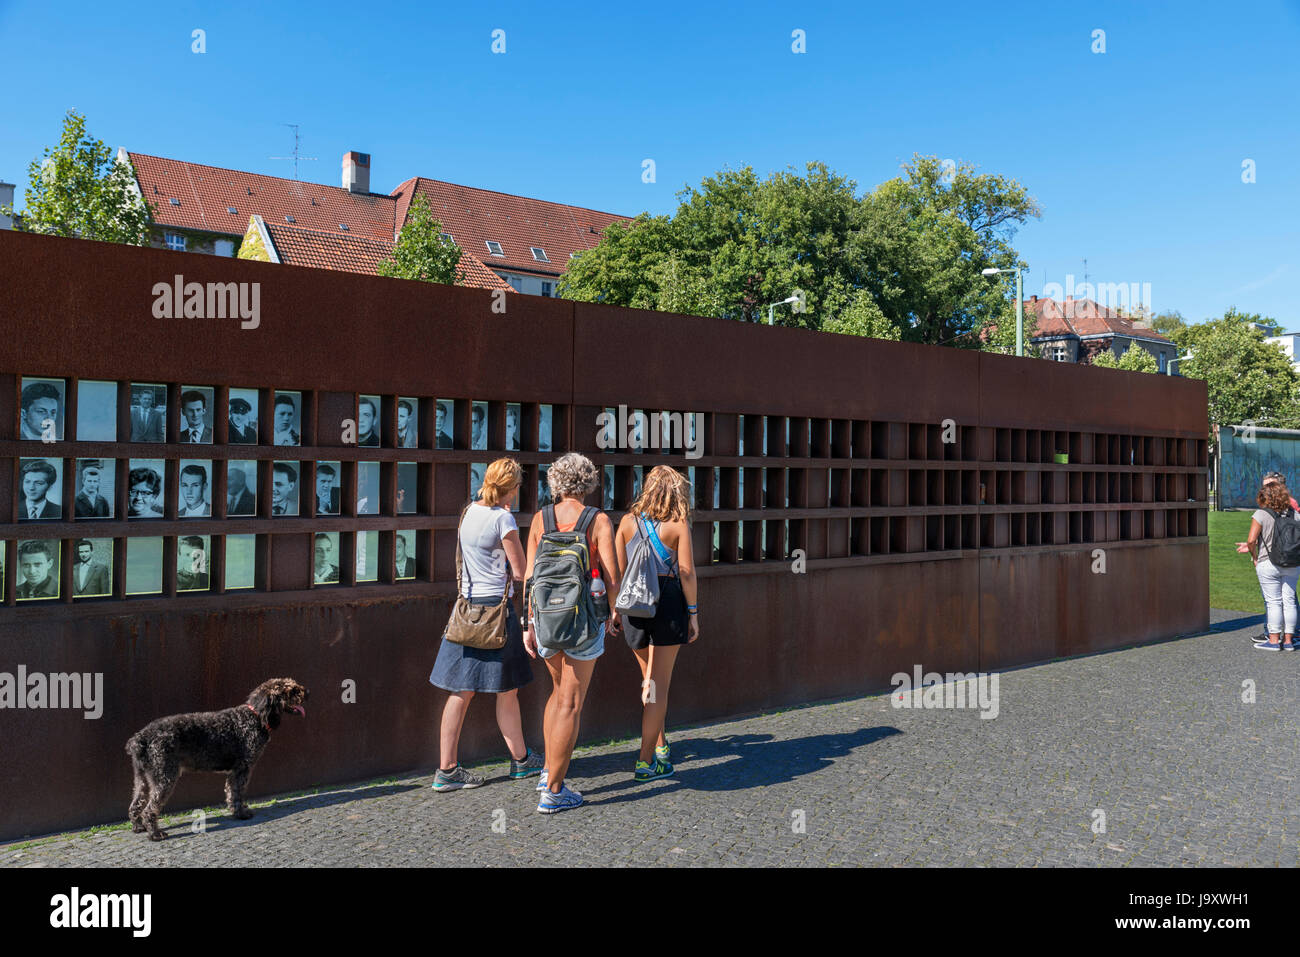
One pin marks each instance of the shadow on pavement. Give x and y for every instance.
(264, 814)
(749, 761)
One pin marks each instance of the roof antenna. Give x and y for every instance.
(297, 153)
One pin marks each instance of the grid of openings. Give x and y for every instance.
(774, 488)
(127, 489)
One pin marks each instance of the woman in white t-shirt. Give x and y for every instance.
(1277, 584)
(493, 560)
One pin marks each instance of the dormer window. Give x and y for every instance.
(343, 226)
(231, 210)
(539, 254)
(289, 219)
(494, 247)
(174, 201)
(448, 237)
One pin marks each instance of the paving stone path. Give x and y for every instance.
(1158, 739)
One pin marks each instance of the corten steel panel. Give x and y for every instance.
(318, 328)
(1034, 607)
(771, 637)
(1018, 394)
(718, 364)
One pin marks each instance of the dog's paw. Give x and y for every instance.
(244, 813)
(158, 836)
(137, 827)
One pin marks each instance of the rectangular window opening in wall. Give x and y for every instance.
(175, 241)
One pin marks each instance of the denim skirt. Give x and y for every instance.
(459, 668)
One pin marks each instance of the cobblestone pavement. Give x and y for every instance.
(1157, 738)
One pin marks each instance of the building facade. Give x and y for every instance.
(1077, 330)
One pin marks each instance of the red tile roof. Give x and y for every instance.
(1083, 317)
(474, 216)
(346, 252)
(207, 193)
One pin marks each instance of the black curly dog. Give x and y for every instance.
(231, 740)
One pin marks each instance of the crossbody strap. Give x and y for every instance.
(652, 535)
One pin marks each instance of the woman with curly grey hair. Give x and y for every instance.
(572, 478)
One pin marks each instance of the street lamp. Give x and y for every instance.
(1169, 366)
(772, 308)
(1020, 305)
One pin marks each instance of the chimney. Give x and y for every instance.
(6, 199)
(1033, 299)
(356, 172)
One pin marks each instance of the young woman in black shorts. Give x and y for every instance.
(663, 514)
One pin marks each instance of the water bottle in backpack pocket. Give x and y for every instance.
(563, 613)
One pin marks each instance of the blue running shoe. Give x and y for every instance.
(541, 783)
(652, 772)
(566, 800)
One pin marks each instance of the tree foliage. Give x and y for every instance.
(902, 261)
(1134, 359)
(1246, 377)
(79, 189)
(421, 252)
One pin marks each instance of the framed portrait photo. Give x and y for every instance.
(42, 406)
(368, 421)
(241, 410)
(92, 568)
(442, 411)
(329, 477)
(287, 419)
(284, 488)
(404, 554)
(241, 488)
(196, 415)
(478, 434)
(408, 421)
(96, 482)
(325, 558)
(145, 495)
(195, 489)
(148, 412)
(38, 569)
(40, 489)
(192, 572)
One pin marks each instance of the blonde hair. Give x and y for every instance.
(665, 497)
(502, 478)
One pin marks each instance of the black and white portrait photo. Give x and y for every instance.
(40, 483)
(608, 488)
(195, 489)
(408, 436)
(543, 486)
(368, 421)
(512, 426)
(476, 473)
(192, 563)
(544, 428)
(406, 477)
(367, 488)
(38, 570)
(284, 488)
(148, 412)
(96, 411)
(241, 487)
(442, 412)
(478, 426)
(42, 409)
(196, 416)
(285, 415)
(325, 558)
(94, 488)
(242, 412)
(144, 488)
(404, 554)
(92, 568)
(328, 475)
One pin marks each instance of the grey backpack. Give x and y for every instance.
(638, 594)
(560, 590)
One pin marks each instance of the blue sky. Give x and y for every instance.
(1134, 154)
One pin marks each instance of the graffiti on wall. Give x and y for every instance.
(1243, 464)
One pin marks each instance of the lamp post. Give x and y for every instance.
(1020, 304)
(1169, 366)
(771, 309)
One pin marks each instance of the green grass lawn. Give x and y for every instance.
(1232, 577)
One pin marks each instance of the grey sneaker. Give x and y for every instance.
(541, 781)
(564, 801)
(533, 763)
(455, 779)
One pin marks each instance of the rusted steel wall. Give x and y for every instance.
(905, 564)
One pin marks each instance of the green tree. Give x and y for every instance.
(1167, 323)
(1247, 378)
(862, 317)
(421, 252)
(80, 189)
(736, 243)
(1134, 359)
